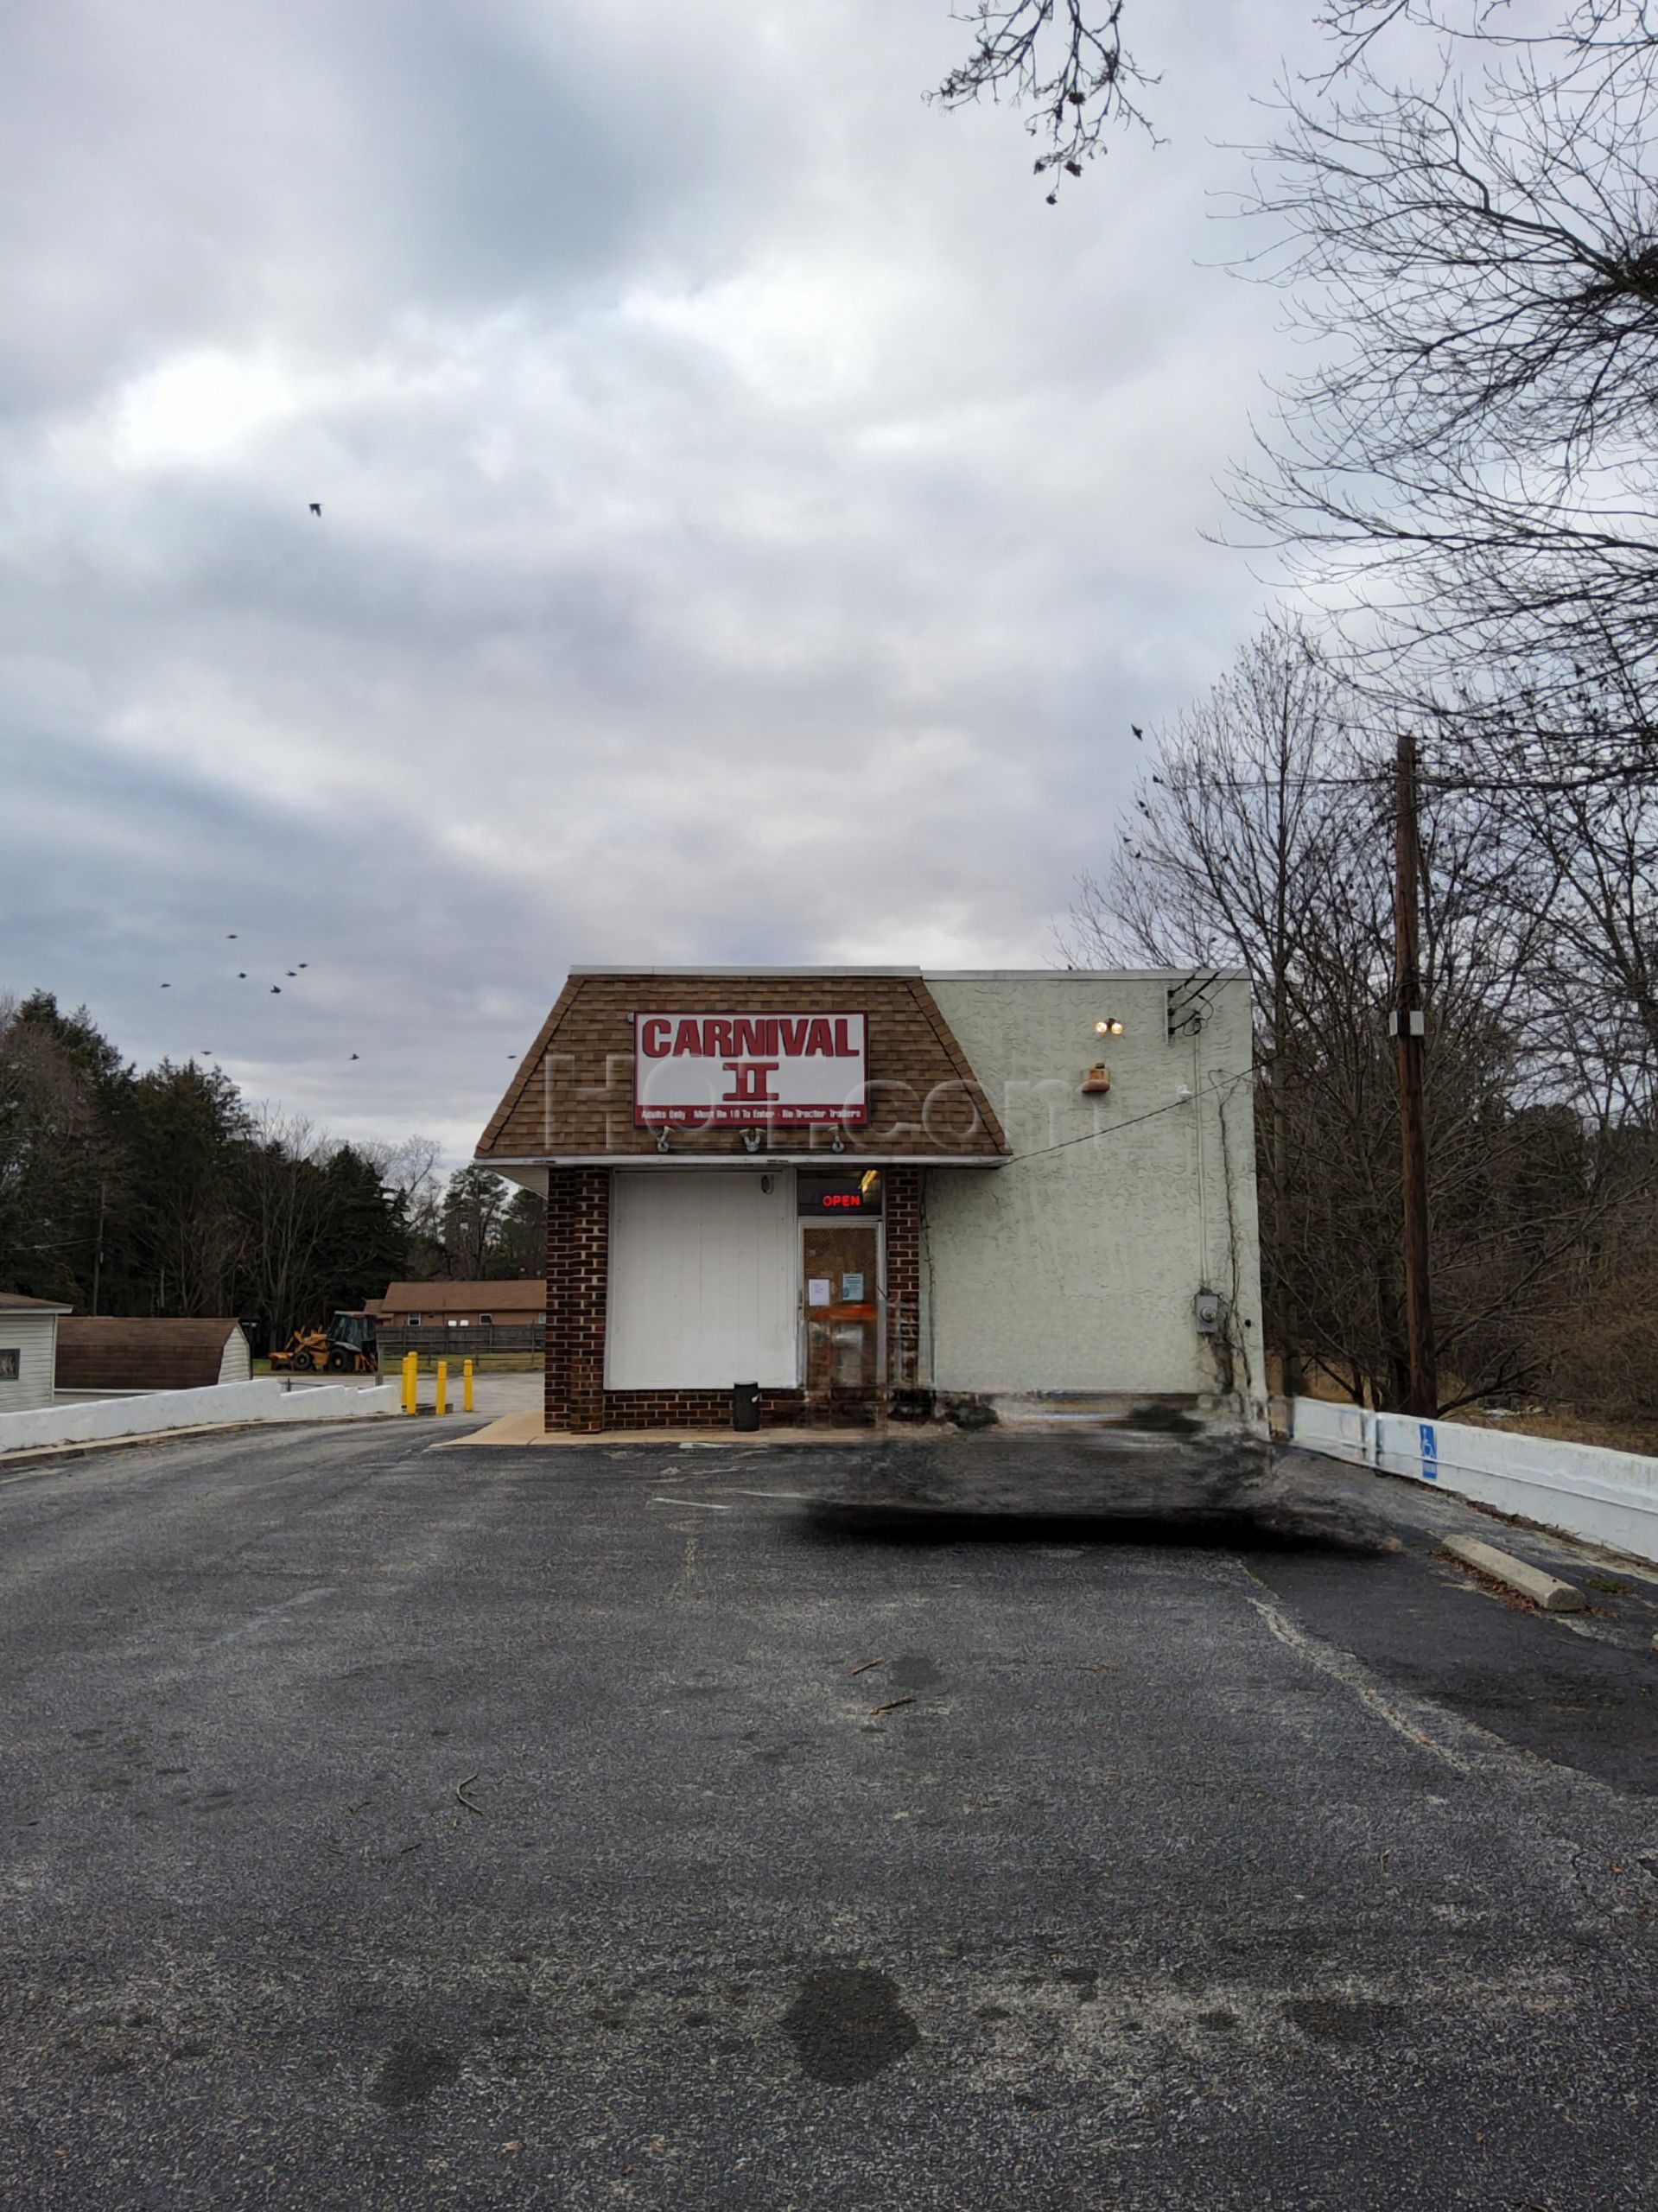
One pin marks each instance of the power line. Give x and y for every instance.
(1379, 779)
(1091, 1136)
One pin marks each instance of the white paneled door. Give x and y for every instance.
(703, 1279)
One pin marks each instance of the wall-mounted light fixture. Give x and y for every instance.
(1108, 1028)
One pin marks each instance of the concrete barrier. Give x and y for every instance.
(267, 1400)
(1582, 1489)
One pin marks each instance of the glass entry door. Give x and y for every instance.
(839, 1265)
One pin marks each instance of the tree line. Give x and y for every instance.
(1262, 837)
(1461, 491)
(164, 1191)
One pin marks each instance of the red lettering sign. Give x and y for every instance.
(748, 1081)
(737, 1071)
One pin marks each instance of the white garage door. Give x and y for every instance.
(702, 1281)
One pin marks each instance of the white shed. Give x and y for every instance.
(28, 1351)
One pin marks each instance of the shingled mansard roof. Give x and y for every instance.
(573, 1097)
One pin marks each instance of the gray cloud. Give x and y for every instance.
(751, 516)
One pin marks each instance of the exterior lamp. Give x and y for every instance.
(1108, 1028)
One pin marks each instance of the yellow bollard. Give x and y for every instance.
(411, 1381)
(466, 1386)
(442, 1405)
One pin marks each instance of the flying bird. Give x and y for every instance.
(229, 936)
(316, 506)
(276, 990)
(305, 964)
(241, 975)
(290, 974)
(356, 1056)
(1138, 732)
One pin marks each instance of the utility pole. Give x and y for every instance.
(98, 1249)
(1409, 1024)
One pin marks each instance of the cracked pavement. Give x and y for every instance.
(388, 1826)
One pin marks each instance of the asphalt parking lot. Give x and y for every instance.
(392, 1827)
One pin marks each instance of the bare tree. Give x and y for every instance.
(1600, 957)
(1236, 822)
(285, 1204)
(1260, 837)
(1064, 61)
(474, 1209)
(1472, 456)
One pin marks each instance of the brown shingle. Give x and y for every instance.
(516, 1295)
(562, 1105)
(117, 1353)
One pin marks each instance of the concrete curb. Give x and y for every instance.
(1543, 1590)
(40, 1458)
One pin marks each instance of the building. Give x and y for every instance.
(123, 1355)
(28, 1351)
(877, 1192)
(513, 1304)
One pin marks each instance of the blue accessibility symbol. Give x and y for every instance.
(1430, 1451)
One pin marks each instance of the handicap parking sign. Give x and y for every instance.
(1430, 1451)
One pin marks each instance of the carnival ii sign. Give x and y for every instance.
(720, 1070)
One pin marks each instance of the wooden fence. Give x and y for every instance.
(434, 1340)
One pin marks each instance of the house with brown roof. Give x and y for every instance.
(29, 1357)
(832, 1193)
(515, 1303)
(124, 1355)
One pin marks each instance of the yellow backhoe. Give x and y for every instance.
(346, 1347)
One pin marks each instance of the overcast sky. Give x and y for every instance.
(751, 516)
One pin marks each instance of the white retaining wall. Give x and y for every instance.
(157, 1411)
(1607, 1498)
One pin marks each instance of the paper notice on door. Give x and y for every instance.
(851, 1290)
(818, 1290)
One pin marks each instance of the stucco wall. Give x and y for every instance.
(1074, 1269)
(33, 1337)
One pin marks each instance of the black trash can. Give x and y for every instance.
(744, 1405)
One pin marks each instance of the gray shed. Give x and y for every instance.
(28, 1351)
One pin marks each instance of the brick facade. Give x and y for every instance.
(573, 1099)
(902, 1190)
(578, 1267)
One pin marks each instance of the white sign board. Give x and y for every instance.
(725, 1071)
